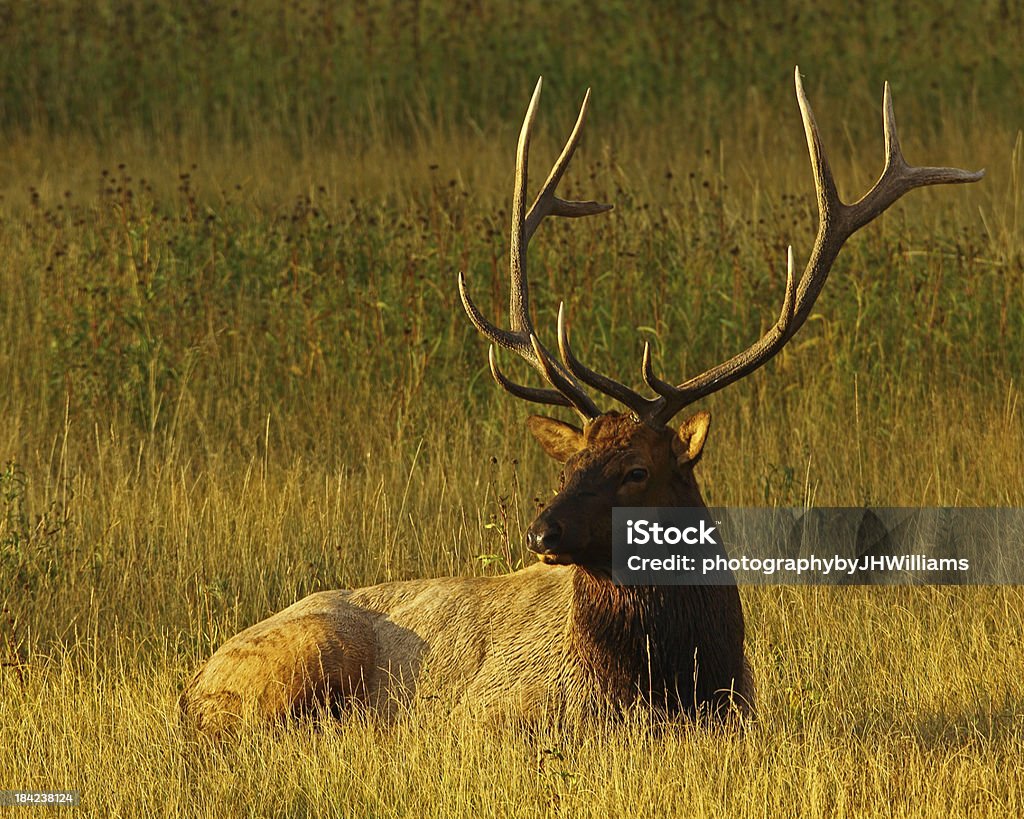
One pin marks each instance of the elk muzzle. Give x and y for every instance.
(546, 539)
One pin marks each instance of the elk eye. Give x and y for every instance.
(637, 475)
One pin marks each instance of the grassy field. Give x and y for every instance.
(234, 370)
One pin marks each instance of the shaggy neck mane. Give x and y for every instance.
(676, 648)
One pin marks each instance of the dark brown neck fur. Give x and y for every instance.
(675, 647)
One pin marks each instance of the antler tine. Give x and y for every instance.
(490, 331)
(837, 221)
(521, 337)
(608, 386)
(546, 203)
(519, 292)
(535, 394)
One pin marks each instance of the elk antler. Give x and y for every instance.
(837, 221)
(521, 337)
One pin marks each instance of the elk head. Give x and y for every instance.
(635, 458)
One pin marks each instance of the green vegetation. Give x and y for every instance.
(234, 369)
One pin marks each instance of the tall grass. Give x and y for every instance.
(385, 68)
(234, 370)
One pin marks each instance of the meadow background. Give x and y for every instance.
(234, 370)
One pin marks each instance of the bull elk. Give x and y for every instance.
(559, 637)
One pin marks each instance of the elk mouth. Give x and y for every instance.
(555, 559)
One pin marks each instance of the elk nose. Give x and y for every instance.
(544, 537)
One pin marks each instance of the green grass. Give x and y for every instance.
(234, 370)
(385, 70)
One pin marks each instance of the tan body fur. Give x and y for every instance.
(505, 646)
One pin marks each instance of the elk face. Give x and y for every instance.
(615, 460)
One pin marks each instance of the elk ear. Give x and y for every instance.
(559, 439)
(689, 441)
